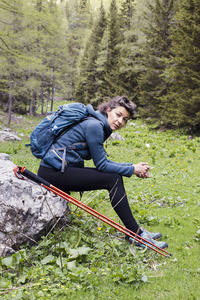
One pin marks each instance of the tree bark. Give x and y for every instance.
(10, 99)
(33, 104)
(42, 100)
(52, 98)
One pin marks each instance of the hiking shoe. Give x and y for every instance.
(153, 235)
(147, 238)
(145, 233)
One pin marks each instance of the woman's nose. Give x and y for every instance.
(120, 120)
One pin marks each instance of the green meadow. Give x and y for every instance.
(87, 259)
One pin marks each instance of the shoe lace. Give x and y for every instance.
(150, 238)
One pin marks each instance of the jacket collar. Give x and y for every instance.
(102, 118)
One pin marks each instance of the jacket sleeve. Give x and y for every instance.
(95, 139)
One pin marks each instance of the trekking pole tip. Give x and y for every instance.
(168, 256)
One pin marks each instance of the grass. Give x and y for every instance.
(90, 260)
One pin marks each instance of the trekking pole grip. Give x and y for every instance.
(30, 175)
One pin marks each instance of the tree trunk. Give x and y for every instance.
(42, 100)
(48, 98)
(52, 98)
(33, 104)
(10, 98)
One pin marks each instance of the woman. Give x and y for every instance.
(107, 174)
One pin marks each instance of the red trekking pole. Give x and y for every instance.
(19, 172)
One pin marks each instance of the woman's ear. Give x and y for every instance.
(108, 109)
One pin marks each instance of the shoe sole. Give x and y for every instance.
(144, 246)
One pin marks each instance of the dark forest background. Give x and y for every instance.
(87, 50)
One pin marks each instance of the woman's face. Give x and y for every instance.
(117, 117)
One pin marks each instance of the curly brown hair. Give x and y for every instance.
(118, 101)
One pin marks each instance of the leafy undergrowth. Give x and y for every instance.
(81, 257)
(89, 259)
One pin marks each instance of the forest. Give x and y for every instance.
(88, 50)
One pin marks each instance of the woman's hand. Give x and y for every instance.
(142, 170)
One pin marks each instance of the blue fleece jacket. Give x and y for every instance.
(94, 131)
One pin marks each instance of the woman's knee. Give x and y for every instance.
(115, 180)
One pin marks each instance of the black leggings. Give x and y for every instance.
(86, 179)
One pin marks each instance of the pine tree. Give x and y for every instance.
(127, 14)
(101, 67)
(108, 58)
(80, 21)
(45, 38)
(113, 51)
(32, 53)
(185, 71)
(13, 51)
(54, 52)
(155, 56)
(127, 65)
(87, 82)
